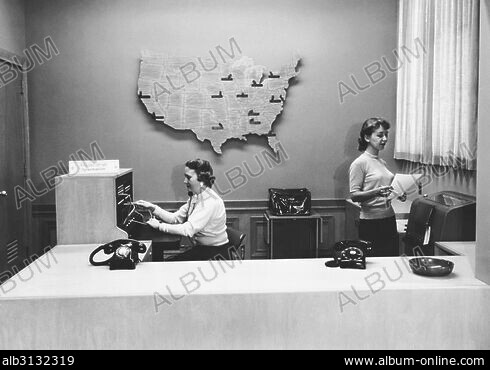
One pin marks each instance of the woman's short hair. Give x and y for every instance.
(368, 127)
(203, 170)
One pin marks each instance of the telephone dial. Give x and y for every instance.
(124, 254)
(350, 254)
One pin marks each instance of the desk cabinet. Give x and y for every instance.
(90, 207)
(293, 236)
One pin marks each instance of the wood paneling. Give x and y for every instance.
(43, 228)
(257, 246)
(352, 213)
(246, 216)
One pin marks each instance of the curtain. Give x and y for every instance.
(437, 88)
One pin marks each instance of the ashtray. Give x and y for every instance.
(431, 266)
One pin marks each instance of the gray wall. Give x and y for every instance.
(12, 26)
(483, 204)
(88, 92)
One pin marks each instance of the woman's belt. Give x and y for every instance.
(385, 205)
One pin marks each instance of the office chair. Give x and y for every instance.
(236, 239)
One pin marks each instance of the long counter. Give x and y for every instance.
(62, 302)
(456, 248)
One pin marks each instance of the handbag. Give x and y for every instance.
(290, 202)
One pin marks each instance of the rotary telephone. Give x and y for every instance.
(125, 254)
(350, 254)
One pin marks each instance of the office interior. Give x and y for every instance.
(85, 98)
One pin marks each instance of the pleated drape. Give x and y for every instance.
(437, 92)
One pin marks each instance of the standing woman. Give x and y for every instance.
(370, 185)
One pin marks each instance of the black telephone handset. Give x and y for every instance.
(125, 254)
(350, 254)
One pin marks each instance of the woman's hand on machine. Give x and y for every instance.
(154, 223)
(145, 205)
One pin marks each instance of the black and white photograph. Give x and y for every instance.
(245, 175)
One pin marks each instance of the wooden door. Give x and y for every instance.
(14, 220)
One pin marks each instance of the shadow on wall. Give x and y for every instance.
(341, 176)
(178, 185)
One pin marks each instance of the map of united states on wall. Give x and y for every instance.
(217, 101)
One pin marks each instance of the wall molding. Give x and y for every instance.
(39, 209)
(245, 215)
(257, 247)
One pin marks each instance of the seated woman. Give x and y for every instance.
(202, 218)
